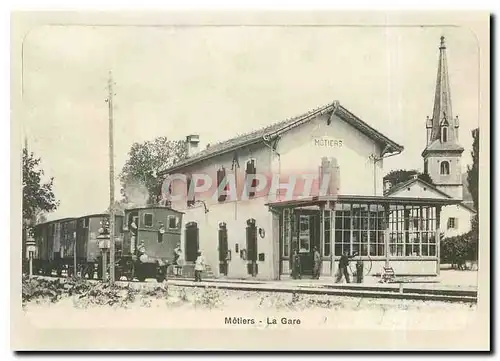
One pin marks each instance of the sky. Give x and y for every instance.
(222, 81)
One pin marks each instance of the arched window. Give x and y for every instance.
(444, 134)
(191, 241)
(445, 168)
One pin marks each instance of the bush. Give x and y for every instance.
(85, 293)
(459, 249)
(210, 297)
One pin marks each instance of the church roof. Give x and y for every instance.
(442, 114)
(276, 129)
(439, 146)
(442, 111)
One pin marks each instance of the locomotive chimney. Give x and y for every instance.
(387, 185)
(193, 142)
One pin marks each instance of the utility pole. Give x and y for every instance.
(111, 185)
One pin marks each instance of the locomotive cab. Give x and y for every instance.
(150, 237)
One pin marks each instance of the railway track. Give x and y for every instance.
(351, 290)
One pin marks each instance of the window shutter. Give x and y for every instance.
(251, 235)
(190, 197)
(223, 244)
(251, 171)
(221, 175)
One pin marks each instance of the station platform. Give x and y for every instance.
(448, 280)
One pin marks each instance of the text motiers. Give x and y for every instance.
(267, 320)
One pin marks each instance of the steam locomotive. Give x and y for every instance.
(145, 239)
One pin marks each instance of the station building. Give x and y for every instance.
(254, 234)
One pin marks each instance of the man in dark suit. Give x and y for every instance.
(343, 264)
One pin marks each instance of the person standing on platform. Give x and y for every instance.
(317, 263)
(133, 236)
(359, 270)
(296, 266)
(199, 267)
(178, 261)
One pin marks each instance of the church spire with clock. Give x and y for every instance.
(442, 154)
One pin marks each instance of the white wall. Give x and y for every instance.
(358, 176)
(451, 183)
(234, 213)
(236, 232)
(463, 216)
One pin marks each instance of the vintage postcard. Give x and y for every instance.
(250, 181)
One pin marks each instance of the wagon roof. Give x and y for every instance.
(99, 215)
(66, 219)
(153, 207)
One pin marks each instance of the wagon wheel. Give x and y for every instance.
(141, 277)
(88, 271)
(129, 270)
(369, 268)
(162, 274)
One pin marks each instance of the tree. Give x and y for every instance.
(402, 175)
(38, 197)
(139, 180)
(473, 170)
(472, 185)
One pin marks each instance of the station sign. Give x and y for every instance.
(327, 142)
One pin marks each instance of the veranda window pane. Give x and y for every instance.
(347, 222)
(392, 249)
(381, 250)
(373, 249)
(338, 249)
(425, 250)
(364, 249)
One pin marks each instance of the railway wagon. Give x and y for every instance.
(88, 254)
(150, 237)
(67, 244)
(55, 243)
(41, 255)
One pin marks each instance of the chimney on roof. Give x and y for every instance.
(193, 142)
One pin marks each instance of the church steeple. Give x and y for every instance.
(442, 112)
(442, 128)
(442, 154)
